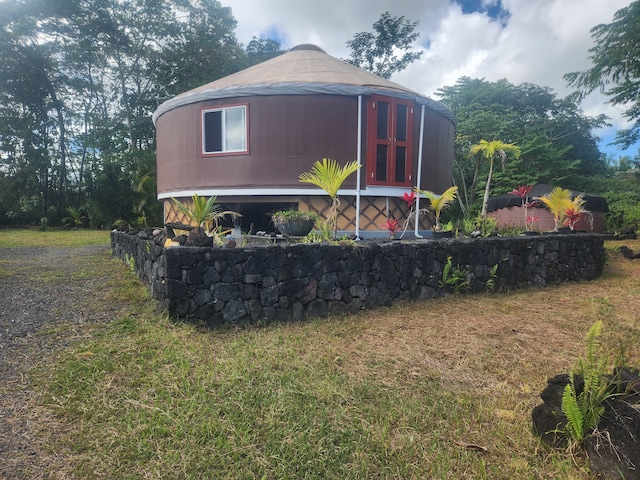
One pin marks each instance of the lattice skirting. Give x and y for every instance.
(374, 211)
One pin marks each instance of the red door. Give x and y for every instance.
(389, 159)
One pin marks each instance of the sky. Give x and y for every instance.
(523, 41)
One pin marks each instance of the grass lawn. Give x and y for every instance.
(399, 392)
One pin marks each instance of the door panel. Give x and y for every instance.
(389, 156)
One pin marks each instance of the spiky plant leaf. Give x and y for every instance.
(329, 175)
(558, 201)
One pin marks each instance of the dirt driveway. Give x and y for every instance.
(46, 295)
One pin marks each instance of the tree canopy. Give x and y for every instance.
(78, 84)
(555, 137)
(377, 53)
(616, 68)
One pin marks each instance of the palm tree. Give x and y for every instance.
(438, 202)
(330, 176)
(491, 150)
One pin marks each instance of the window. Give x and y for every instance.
(224, 130)
(389, 152)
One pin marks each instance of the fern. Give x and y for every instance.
(584, 410)
(454, 277)
(571, 409)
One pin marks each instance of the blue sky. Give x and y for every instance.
(535, 41)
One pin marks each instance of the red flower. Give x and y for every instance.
(522, 191)
(409, 198)
(391, 225)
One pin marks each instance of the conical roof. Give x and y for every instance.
(305, 69)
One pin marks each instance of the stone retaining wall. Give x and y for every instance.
(284, 282)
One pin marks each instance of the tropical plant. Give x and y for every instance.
(572, 215)
(75, 218)
(392, 226)
(202, 212)
(485, 225)
(454, 277)
(410, 199)
(294, 222)
(584, 407)
(615, 58)
(523, 192)
(559, 201)
(291, 214)
(330, 176)
(489, 151)
(438, 202)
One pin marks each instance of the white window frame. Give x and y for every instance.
(223, 125)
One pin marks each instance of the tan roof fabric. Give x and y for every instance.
(300, 65)
(302, 70)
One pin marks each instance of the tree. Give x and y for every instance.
(489, 151)
(262, 49)
(377, 53)
(554, 136)
(616, 68)
(78, 84)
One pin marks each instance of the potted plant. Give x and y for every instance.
(436, 204)
(294, 223)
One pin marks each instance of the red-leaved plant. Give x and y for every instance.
(572, 216)
(523, 192)
(410, 198)
(392, 226)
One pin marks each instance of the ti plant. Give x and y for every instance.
(330, 176)
(392, 226)
(584, 408)
(523, 192)
(410, 199)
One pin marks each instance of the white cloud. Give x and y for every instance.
(542, 39)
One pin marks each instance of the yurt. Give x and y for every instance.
(508, 211)
(247, 137)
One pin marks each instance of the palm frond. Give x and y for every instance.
(329, 175)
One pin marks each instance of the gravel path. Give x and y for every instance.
(46, 294)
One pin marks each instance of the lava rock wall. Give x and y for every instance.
(283, 282)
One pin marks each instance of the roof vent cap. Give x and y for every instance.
(307, 46)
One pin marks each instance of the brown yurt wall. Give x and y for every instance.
(437, 166)
(287, 134)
